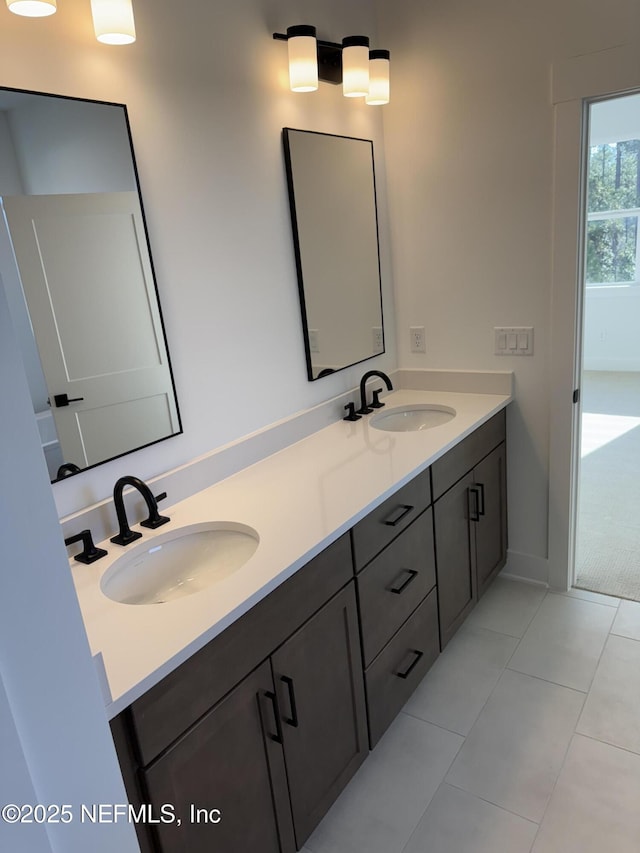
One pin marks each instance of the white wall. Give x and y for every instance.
(469, 144)
(206, 88)
(611, 339)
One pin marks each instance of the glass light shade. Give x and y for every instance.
(378, 78)
(32, 8)
(303, 59)
(113, 21)
(355, 66)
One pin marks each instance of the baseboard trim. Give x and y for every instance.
(526, 567)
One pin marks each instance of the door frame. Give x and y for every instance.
(575, 83)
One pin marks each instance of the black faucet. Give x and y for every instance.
(364, 409)
(89, 553)
(126, 535)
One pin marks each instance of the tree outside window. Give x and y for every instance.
(613, 212)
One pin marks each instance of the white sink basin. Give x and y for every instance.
(179, 563)
(418, 416)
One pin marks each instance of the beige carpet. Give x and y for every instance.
(608, 524)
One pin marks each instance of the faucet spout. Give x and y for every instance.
(125, 535)
(364, 408)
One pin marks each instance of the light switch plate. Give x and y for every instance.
(513, 340)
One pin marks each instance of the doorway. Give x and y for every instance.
(607, 545)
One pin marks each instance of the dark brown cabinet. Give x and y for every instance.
(254, 769)
(318, 677)
(470, 521)
(224, 777)
(491, 527)
(253, 737)
(398, 606)
(454, 555)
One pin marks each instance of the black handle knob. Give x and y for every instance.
(398, 514)
(63, 400)
(375, 403)
(89, 553)
(351, 410)
(293, 719)
(413, 574)
(473, 506)
(407, 672)
(271, 696)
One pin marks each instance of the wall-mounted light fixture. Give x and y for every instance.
(363, 73)
(32, 8)
(112, 19)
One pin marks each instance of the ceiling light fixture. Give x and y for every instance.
(362, 73)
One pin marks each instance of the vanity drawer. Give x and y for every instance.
(167, 710)
(394, 583)
(384, 523)
(456, 462)
(400, 666)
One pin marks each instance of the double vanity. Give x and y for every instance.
(324, 581)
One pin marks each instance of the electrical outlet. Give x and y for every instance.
(314, 343)
(416, 339)
(378, 340)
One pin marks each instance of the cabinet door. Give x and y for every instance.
(318, 677)
(455, 547)
(491, 529)
(226, 763)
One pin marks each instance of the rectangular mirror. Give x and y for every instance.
(76, 267)
(332, 195)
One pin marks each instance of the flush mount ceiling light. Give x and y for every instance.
(362, 73)
(32, 8)
(112, 19)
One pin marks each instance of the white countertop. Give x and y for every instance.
(299, 500)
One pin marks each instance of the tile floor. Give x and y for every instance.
(523, 738)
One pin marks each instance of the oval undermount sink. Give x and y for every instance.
(179, 563)
(418, 416)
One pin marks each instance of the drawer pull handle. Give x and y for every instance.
(481, 503)
(276, 713)
(293, 719)
(412, 665)
(404, 510)
(413, 574)
(473, 506)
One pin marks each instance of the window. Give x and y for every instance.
(613, 250)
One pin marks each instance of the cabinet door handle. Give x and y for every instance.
(474, 510)
(412, 665)
(402, 511)
(293, 719)
(481, 504)
(277, 737)
(413, 574)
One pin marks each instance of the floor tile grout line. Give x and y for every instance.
(431, 723)
(490, 802)
(549, 681)
(607, 743)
